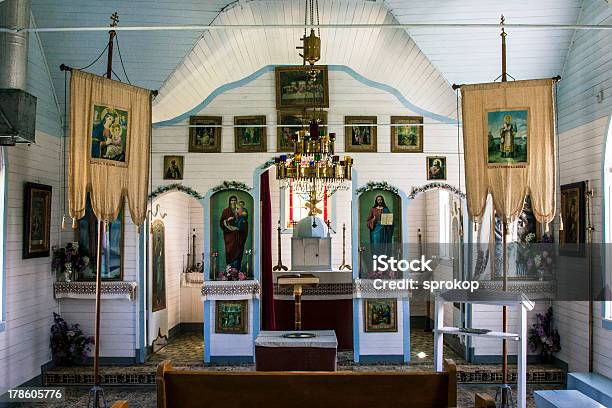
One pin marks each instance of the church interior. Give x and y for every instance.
(307, 203)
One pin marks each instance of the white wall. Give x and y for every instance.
(583, 122)
(24, 344)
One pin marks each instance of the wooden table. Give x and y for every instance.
(273, 352)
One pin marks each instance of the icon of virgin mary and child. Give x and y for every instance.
(234, 223)
(108, 134)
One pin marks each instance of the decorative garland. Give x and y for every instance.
(177, 187)
(444, 186)
(377, 185)
(231, 185)
(267, 164)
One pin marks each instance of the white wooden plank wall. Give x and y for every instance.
(221, 57)
(24, 345)
(583, 122)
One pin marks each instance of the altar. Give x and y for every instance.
(273, 352)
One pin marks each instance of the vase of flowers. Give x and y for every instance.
(69, 346)
(69, 261)
(231, 274)
(543, 337)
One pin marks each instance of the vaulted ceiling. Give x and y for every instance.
(459, 55)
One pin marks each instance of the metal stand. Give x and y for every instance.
(279, 266)
(590, 229)
(297, 295)
(96, 396)
(503, 397)
(344, 264)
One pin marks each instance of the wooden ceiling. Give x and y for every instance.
(155, 58)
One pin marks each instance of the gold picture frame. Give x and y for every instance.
(408, 138)
(205, 139)
(294, 118)
(295, 89)
(380, 315)
(250, 139)
(435, 167)
(37, 220)
(360, 138)
(232, 316)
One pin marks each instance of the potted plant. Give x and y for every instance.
(543, 337)
(68, 344)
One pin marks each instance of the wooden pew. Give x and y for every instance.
(120, 404)
(222, 389)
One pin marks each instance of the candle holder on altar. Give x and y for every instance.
(344, 264)
(214, 255)
(279, 266)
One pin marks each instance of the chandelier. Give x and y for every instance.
(313, 170)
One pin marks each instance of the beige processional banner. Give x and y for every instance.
(509, 144)
(110, 130)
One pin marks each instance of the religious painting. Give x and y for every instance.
(358, 137)
(291, 122)
(205, 134)
(112, 246)
(231, 316)
(173, 167)
(158, 266)
(37, 222)
(507, 137)
(380, 229)
(231, 241)
(407, 134)
(296, 87)
(380, 315)
(250, 134)
(572, 237)
(436, 168)
(109, 134)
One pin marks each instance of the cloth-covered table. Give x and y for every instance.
(273, 352)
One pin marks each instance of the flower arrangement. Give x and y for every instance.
(68, 344)
(231, 274)
(69, 260)
(535, 258)
(543, 337)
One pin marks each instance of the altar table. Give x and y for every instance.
(273, 352)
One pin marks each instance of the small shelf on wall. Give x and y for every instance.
(87, 290)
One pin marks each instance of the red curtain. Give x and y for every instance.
(267, 279)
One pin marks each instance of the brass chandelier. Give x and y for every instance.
(313, 170)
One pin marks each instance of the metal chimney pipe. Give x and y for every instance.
(14, 46)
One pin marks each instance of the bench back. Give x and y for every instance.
(215, 389)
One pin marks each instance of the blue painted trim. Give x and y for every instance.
(406, 331)
(382, 358)
(356, 306)
(207, 330)
(606, 324)
(468, 306)
(337, 68)
(256, 321)
(205, 202)
(141, 291)
(4, 236)
(232, 359)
